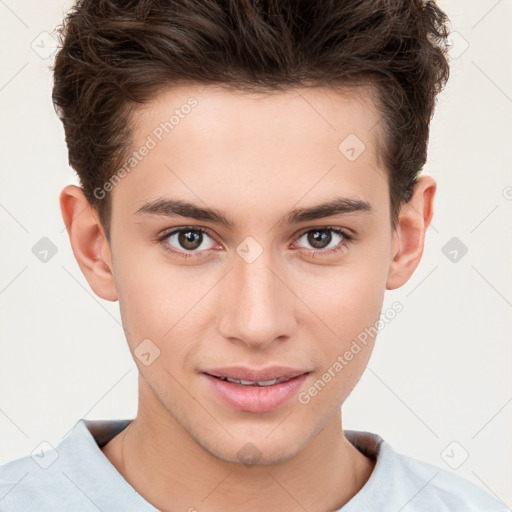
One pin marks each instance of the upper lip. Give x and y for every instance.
(264, 374)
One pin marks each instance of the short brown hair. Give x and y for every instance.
(117, 54)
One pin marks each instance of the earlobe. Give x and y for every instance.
(409, 238)
(88, 242)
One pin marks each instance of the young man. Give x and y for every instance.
(250, 189)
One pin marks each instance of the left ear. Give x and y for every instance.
(409, 237)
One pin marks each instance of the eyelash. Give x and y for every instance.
(347, 239)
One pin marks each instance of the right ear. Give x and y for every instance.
(88, 241)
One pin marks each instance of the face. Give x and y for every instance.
(268, 282)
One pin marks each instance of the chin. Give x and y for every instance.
(255, 450)
(251, 454)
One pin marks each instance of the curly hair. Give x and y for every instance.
(115, 55)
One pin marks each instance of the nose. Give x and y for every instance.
(258, 303)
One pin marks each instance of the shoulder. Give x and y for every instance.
(402, 481)
(74, 475)
(448, 490)
(26, 485)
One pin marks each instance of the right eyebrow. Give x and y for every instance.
(180, 208)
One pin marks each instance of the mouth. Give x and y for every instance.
(255, 391)
(242, 374)
(260, 383)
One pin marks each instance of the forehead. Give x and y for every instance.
(215, 112)
(280, 142)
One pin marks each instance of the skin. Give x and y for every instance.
(255, 157)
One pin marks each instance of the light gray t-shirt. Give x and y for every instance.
(76, 476)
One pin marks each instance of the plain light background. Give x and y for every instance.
(438, 384)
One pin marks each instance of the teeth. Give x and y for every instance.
(267, 382)
(254, 382)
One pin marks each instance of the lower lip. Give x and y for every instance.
(256, 398)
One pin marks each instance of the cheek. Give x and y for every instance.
(349, 302)
(350, 309)
(163, 305)
(152, 300)
(347, 299)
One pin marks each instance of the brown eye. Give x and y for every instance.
(326, 241)
(190, 240)
(183, 240)
(321, 238)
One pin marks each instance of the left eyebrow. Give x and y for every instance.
(338, 206)
(181, 208)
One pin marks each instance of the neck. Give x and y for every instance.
(172, 471)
